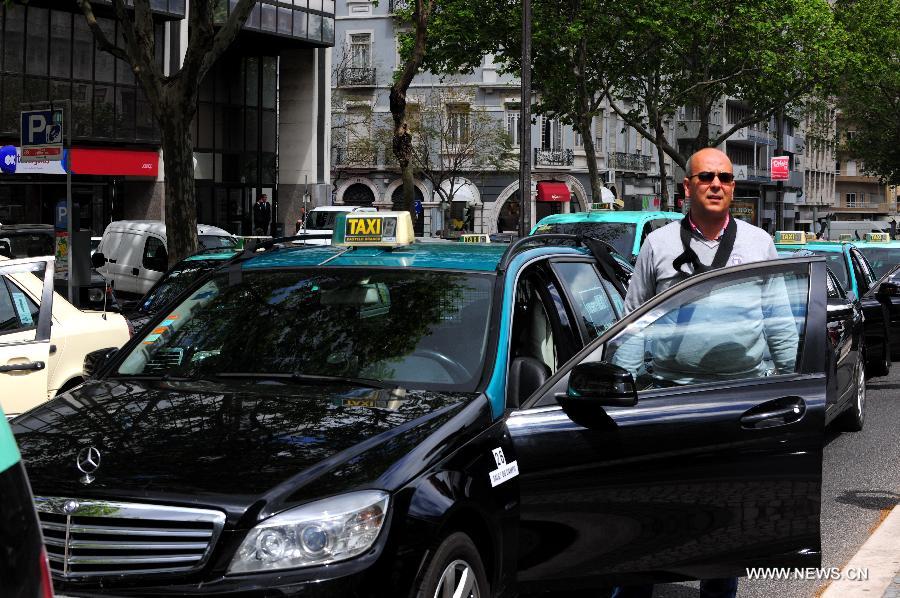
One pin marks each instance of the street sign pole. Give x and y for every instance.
(525, 117)
(779, 186)
(67, 125)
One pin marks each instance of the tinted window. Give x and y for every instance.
(328, 322)
(29, 244)
(590, 303)
(834, 289)
(863, 271)
(882, 259)
(837, 263)
(759, 323)
(321, 220)
(175, 281)
(618, 234)
(216, 242)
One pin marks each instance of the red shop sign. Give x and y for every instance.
(115, 162)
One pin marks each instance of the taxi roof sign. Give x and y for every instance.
(878, 237)
(845, 237)
(373, 229)
(795, 237)
(474, 238)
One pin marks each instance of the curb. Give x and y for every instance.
(880, 556)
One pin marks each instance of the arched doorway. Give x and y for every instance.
(508, 219)
(359, 194)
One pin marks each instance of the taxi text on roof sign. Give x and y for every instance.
(792, 236)
(878, 237)
(367, 229)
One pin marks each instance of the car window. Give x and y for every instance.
(618, 234)
(216, 241)
(592, 307)
(175, 281)
(833, 287)
(864, 274)
(882, 259)
(155, 256)
(17, 311)
(28, 244)
(747, 327)
(340, 322)
(321, 220)
(837, 263)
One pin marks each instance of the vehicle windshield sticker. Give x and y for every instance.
(505, 471)
(23, 309)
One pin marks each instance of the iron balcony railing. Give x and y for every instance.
(354, 156)
(553, 157)
(357, 75)
(625, 161)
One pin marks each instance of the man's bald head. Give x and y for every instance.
(706, 153)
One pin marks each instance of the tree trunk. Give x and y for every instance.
(590, 154)
(661, 156)
(402, 147)
(180, 207)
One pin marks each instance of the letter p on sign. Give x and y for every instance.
(36, 124)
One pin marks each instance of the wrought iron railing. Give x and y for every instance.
(624, 161)
(553, 157)
(357, 75)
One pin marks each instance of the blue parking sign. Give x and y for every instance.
(41, 135)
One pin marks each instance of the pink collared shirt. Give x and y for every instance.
(699, 232)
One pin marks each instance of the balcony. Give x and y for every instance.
(395, 5)
(354, 157)
(356, 76)
(557, 157)
(628, 162)
(866, 206)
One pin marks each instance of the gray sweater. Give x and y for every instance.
(725, 336)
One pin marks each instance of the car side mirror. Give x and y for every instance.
(593, 386)
(98, 260)
(95, 360)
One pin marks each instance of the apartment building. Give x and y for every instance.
(266, 98)
(858, 196)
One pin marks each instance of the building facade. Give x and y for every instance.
(241, 128)
(858, 195)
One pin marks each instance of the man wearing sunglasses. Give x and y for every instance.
(707, 238)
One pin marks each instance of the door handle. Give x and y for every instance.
(31, 366)
(52, 349)
(770, 414)
(135, 271)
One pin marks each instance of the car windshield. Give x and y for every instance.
(882, 259)
(175, 281)
(322, 220)
(33, 244)
(415, 329)
(618, 234)
(217, 241)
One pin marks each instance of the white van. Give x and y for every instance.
(320, 221)
(136, 256)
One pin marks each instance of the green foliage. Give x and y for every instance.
(869, 94)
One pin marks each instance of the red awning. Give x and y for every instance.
(115, 162)
(553, 191)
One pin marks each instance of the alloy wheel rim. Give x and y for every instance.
(457, 581)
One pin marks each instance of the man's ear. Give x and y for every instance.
(686, 186)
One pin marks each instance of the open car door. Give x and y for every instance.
(24, 335)
(686, 441)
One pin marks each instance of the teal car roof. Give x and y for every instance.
(633, 217)
(212, 255)
(475, 257)
(824, 246)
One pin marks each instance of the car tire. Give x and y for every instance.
(455, 561)
(855, 416)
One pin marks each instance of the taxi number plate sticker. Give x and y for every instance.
(504, 473)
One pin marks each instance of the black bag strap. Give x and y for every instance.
(689, 256)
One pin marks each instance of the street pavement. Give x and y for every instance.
(861, 484)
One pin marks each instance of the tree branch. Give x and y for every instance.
(100, 35)
(744, 122)
(642, 130)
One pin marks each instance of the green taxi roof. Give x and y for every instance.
(476, 257)
(634, 217)
(829, 246)
(213, 254)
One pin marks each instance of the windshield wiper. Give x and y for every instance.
(310, 378)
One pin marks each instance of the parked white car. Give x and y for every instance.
(320, 221)
(136, 256)
(39, 360)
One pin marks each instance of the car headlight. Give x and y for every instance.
(325, 531)
(95, 295)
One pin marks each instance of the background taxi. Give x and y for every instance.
(624, 230)
(39, 360)
(384, 417)
(883, 253)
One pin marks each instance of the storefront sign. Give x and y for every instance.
(780, 170)
(115, 162)
(744, 209)
(11, 163)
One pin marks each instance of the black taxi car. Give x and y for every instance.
(383, 417)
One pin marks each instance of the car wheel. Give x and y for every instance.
(855, 416)
(455, 570)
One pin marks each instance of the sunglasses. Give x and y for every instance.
(708, 177)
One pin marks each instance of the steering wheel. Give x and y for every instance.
(456, 370)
